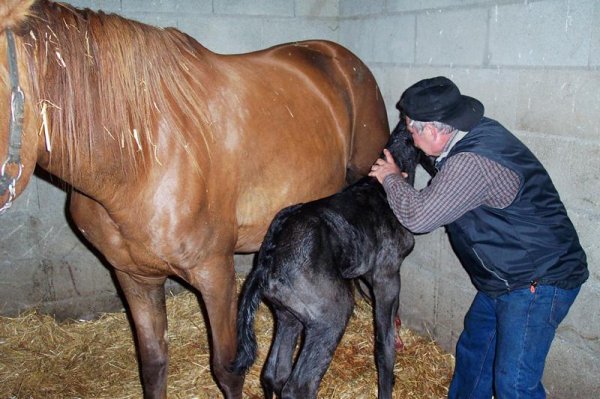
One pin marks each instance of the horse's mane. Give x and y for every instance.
(103, 80)
(12, 12)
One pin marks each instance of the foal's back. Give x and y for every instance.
(339, 237)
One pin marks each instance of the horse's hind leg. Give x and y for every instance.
(278, 366)
(146, 300)
(215, 279)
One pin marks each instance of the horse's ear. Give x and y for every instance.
(14, 12)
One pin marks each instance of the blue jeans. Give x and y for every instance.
(504, 345)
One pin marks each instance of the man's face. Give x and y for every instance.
(426, 140)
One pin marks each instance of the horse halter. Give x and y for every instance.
(8, 182)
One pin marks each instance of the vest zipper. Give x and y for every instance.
(491, 271)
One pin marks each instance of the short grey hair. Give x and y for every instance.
(440, 126)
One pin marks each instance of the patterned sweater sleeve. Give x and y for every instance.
(466, 181)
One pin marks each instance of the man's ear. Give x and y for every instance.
(437, 138)
(430, 129)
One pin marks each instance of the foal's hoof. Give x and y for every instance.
(398, 341)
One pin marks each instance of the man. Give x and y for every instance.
(508, 227)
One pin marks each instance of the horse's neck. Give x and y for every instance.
(94, 171)
(89, 125)
(107, 127)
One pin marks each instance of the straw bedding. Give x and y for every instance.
(40, 358)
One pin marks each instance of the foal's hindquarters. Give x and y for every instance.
(316, 304)
(312, 296)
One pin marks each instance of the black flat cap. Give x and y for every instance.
(439, 100)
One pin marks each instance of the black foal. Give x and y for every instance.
(304, 270)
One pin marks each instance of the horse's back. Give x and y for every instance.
(352, 80)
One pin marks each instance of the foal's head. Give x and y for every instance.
(406, 155)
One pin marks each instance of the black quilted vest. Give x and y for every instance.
(532, 241)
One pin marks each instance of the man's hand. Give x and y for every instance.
(384, 167)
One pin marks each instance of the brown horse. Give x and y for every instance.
(178, 157)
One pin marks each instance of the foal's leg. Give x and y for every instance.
(146, 300)
(386, 289)
(321, 338)
(278, 367)
(215, 280)
(320, 342)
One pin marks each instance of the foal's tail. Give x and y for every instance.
(252, 293)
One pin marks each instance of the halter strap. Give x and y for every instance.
(17, 101)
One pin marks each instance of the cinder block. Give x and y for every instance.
(423, 72)
(560, 102)
(55, 279)
(576, 329)
(575, 180)
(496, 88)
(453, 301)
(16, 284)
(426, 252)
(243, 263)
(350, 8)
(391, 81)
(18, 242)
(34, 283)
(445, 337)
(421, 178)
(317, 8)
(45, 211)
(83, 308)
(588, 228)
(541, 33)
(254, 7)
(450, 267)
(443, 40)
(224, 34)
(434, 254)
(385, 39)
(168, 6)
(404, 5)
(162, 20)
(570, 371)
(104, 5)
(417, 296)
(282, 30)
(187, 7)
(595, 44)
(36, 224)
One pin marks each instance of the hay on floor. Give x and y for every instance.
(40, 358)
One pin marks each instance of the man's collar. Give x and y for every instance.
(455, 139)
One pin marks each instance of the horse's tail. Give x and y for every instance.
(345, 239)
(252, 293)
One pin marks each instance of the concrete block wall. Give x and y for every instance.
(535, 67)
(232, 26)
(535, 64)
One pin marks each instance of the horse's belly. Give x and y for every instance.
(249, 239)
(257, 206)
(254, 214)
